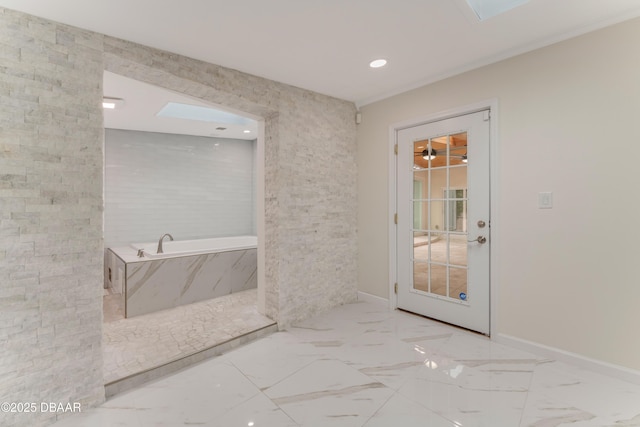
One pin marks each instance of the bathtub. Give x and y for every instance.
(176, 248)
(187, 271)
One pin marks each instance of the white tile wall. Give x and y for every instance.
(189, 186)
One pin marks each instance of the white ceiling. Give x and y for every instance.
(326, 45)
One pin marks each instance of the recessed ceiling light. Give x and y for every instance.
(378, 63)
(246, 131)
(486, 9)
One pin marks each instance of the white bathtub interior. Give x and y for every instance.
(173, 248)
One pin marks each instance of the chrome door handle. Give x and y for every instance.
(481, 239)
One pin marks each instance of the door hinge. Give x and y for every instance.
(395, 149)
(395, 219)
(395, 288)
(487, 115)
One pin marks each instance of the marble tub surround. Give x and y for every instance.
(132, 346)
(363, 365)
(114, 268)
(157, 284)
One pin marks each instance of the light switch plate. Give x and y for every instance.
(545, 200)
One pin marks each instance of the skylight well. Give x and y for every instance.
(486, 9)
(202, 114)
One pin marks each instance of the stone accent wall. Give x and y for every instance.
(316, 201)
(51, 251)
(50, 216)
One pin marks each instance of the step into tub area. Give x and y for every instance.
(146, 347)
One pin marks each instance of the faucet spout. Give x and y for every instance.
(160, 242)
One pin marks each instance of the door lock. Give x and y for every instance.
(481, 224)
(480, 239)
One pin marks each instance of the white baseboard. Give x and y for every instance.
(363, 296)
(594, 365)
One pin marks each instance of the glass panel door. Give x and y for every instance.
(443, 227)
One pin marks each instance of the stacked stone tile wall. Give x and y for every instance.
(51, 199)
(50, 217)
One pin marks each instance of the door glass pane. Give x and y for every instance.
(420, 217)
(458, 283)
(456, 209)
(421, 247)
(436, 215)
(417, 208)
(438, 248)
(421, 276)
(439, 148)
(438, 279)
(458, 177)
(437, 182)
(440, 216)
(422, 175)
(457, 149)
(458, 250)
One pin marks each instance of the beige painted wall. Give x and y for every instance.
(567, 123)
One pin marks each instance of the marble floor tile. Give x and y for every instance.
(561, 393)
(400, 411)
(466, 405)
(328, 392)
(258, 411)
(203, 394)
(264, 364)
(363, 365)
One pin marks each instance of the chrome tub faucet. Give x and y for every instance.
(160, 242)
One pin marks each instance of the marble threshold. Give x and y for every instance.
(143, 348)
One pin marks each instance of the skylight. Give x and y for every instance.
(202, 114)
(486, 9)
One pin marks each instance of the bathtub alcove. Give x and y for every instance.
(178, 164)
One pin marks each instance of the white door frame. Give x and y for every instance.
(492, 105)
